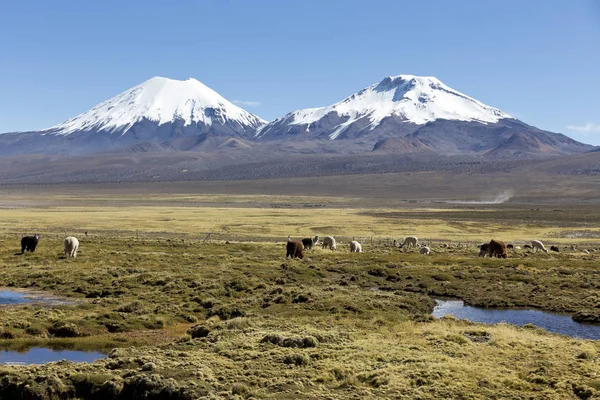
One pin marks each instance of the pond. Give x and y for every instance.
(40, 355)
(8, 297)
(11, 297)
(562, 324)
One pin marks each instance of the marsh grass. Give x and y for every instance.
(208, 318)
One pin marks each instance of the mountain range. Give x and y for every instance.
(398, 115)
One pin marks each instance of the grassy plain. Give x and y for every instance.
(227, 316)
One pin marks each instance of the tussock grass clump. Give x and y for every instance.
(205, 303)
(587, 317)
(272, 338)
(199, 331)
(584, 392)
(133, 307)
(302, 343)
(477, 336)
(64, 330)
(153, 322)
(6, 334)
(458, 339)
(301, 298)
(378, 272)
(238, 323)
(296, 359)
(191, 318)
(20, 324)
(442, 277)
(587, 355)
(373, 379)
(594, 383)
(240, 389)
(96, 386)
(225, 312)
(295, 342)
(34, 331)
(424, 318)
(148, 367)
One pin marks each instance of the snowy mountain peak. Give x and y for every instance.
(441, 101)
(160, 100)
(407, 98)
(402, 79)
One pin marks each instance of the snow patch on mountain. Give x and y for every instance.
(160, 100)
(414, 99)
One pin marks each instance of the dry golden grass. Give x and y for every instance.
(278, 223)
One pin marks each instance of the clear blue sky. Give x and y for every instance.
(536, 60)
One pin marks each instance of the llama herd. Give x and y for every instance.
(29, 243)
(495, 248)
(296, 248)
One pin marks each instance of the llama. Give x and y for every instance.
(29, 243)
(71, 247)
(355, 247)
(484, 249)
(294, 249)
(329, 242)
(497, 248)
(308, 243)
(537, 245)
(410, 241)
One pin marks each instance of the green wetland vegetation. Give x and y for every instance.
(184, 315)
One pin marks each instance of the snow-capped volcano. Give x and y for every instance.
(400, 114)
(406, 114)
(178, 115)
(161, 101)
(405, 98)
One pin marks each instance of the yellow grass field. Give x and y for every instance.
(277, 223)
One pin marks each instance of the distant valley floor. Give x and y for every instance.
(383, 180)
